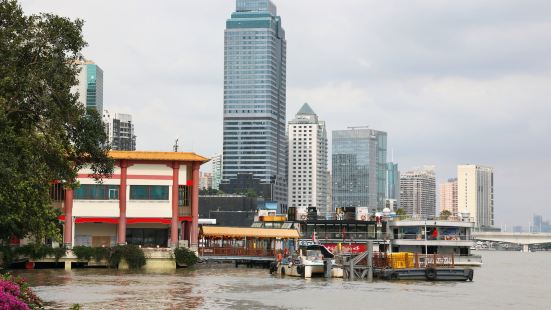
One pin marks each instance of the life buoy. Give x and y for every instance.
(363, 217)
(430, 273)
(303, 216)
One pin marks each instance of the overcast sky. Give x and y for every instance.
(450, 81)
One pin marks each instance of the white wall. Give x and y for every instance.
(148, 169)
(96, 208)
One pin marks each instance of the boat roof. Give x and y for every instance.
(326, 253)
(221, 231)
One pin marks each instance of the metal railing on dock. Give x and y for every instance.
(235, 251)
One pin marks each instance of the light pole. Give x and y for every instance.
(426, 245)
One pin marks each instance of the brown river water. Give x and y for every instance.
(508, 280)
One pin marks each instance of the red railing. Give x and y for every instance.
(232, 251)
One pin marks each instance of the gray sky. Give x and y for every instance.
(450, 81)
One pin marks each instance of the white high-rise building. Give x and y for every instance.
(418, 192)
(217, 164)
(475, 193)
(120, 130)
(307, 161)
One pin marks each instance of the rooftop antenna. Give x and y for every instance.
(175, 147)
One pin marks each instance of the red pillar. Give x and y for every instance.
(174, 222)
(122, 204)
(195, 206)
(68, 226)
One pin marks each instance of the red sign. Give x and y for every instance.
(354, 248)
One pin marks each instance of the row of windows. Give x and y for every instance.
(137, 192)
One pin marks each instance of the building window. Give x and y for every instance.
(184, 195)
(148, 192)
(97, 192)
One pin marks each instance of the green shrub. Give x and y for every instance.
(6, 256)
(83, 252)
(59, 253)
(101, 253)
(185, 256)
(35, 251)
(115, 256)
(134, 256)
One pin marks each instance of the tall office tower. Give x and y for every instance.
(307, 161)
(359, 168)
(448, 196)
(537, 223)
(216, 162)
(255, 145)
(475, 193)
(90, 85)
(120, 130)
(392, 190)
(418, 192)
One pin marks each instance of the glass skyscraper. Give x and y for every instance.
(90, 87)
(359, 168)
(254, 97)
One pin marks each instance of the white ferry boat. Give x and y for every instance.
(435, 236)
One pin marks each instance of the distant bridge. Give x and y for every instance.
(525, 239)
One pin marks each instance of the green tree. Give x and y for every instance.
(45, 134)
(445, 214)
(401, 212)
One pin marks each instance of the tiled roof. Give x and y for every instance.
(145, 155)
(240, 232)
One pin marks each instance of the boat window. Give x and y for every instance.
(314, 255)
(410, 233)
(287, 225)
(257, 224)
(371, 232)
(309, 231)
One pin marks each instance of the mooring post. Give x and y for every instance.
(328, 267)
(351, 275)
(370, 261)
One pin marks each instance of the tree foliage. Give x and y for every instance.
(45, 133)
(401, 212)
(445, 214)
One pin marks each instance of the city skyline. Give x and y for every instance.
(474, 107)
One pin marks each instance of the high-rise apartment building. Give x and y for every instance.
(90, 85)
(359, 168)
(307, 161)
(205, 180)
(254, 99)
(216, 162)
(448, 196)
(418, 192)
(475, 193)
(329, 209)
(120, 130)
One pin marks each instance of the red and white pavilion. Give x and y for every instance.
(151, 200)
